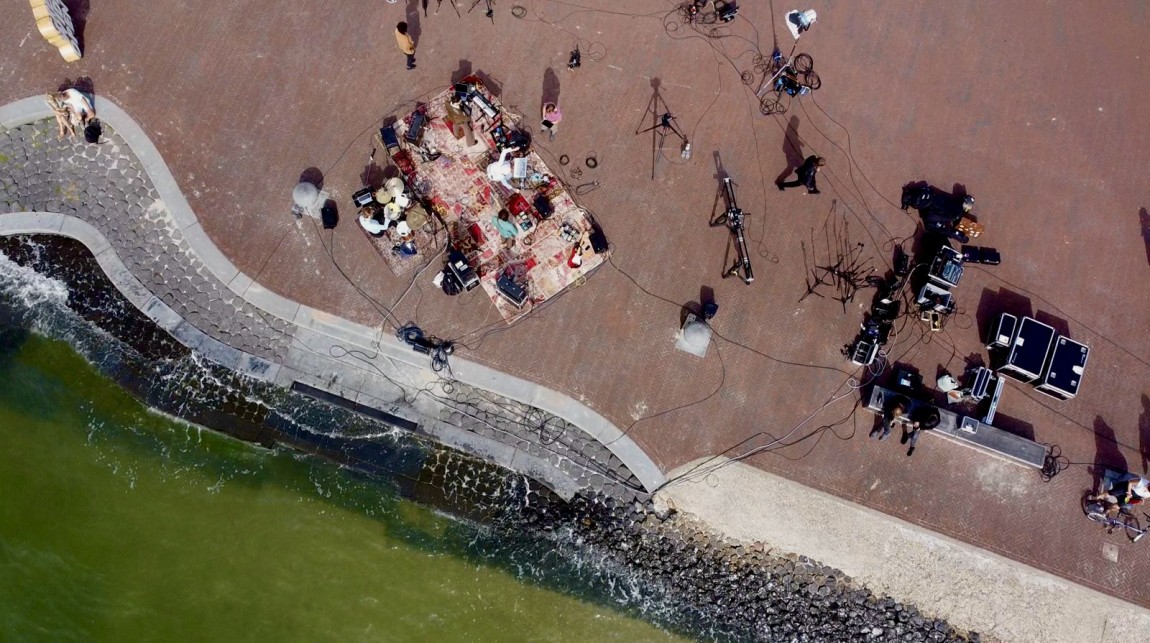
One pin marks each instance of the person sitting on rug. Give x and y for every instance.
(506, 227)
(63, 114)
(501, 170)
(371, 224)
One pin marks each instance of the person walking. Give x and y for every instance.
(551, 117)
(806, 174)
(406, 44)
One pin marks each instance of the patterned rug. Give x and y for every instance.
(545, 256)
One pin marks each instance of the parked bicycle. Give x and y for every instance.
(1096, 510)
(784, 76)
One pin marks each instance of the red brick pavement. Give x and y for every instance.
(1038, 110)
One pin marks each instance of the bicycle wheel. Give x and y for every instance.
(1130, 524)
(812, 80)
(803, 63)
(772, 104)
(1098, 517)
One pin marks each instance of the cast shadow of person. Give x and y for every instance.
(412, 19)
(792, 149)
(78, 9)
(550, 87)
(1144, 222)
(463, 71)
(1108, 454)
(1144, 433)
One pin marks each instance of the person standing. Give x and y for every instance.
(459, 121)
(806, 174)
(551, 117)
(925, 418)
(406, 44)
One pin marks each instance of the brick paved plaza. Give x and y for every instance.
(1037, 111)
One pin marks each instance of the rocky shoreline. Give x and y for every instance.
(726, 590)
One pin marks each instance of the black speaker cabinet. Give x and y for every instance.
(511, 291)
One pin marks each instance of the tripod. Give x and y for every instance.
(666, 125)
(490, 13)
(733, 217)
(439, 3)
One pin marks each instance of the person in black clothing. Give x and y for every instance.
(806, 174)
(924, 418)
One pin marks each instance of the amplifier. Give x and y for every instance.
(415, 133)
(511, 291)
(389, 138)
(597, 238)
(463, 271)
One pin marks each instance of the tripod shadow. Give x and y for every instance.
(373, 176)
(662, 122)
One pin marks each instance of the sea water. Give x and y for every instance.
(121, 524)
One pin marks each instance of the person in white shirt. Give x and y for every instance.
(501, 170)
(82, 110)
(373, 227)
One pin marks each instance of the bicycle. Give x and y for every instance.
(1095, 510)
(782, 75)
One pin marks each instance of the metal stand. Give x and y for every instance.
(490, 13)
(733, 217)
(439, 3)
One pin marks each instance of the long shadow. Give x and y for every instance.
(550, 86)
(494, 87)
(1107, 454)
(461, 72)
(1144, 222)
(1144, 433)
(78, 9)
(411, 12)
(792, 149)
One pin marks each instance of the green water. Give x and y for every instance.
(117, 524)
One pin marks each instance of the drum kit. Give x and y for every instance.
(388, 205)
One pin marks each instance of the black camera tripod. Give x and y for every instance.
(733, 217)
(490, 13)
(666, 125)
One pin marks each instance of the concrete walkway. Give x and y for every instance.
(323, 350)
(971, 588)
